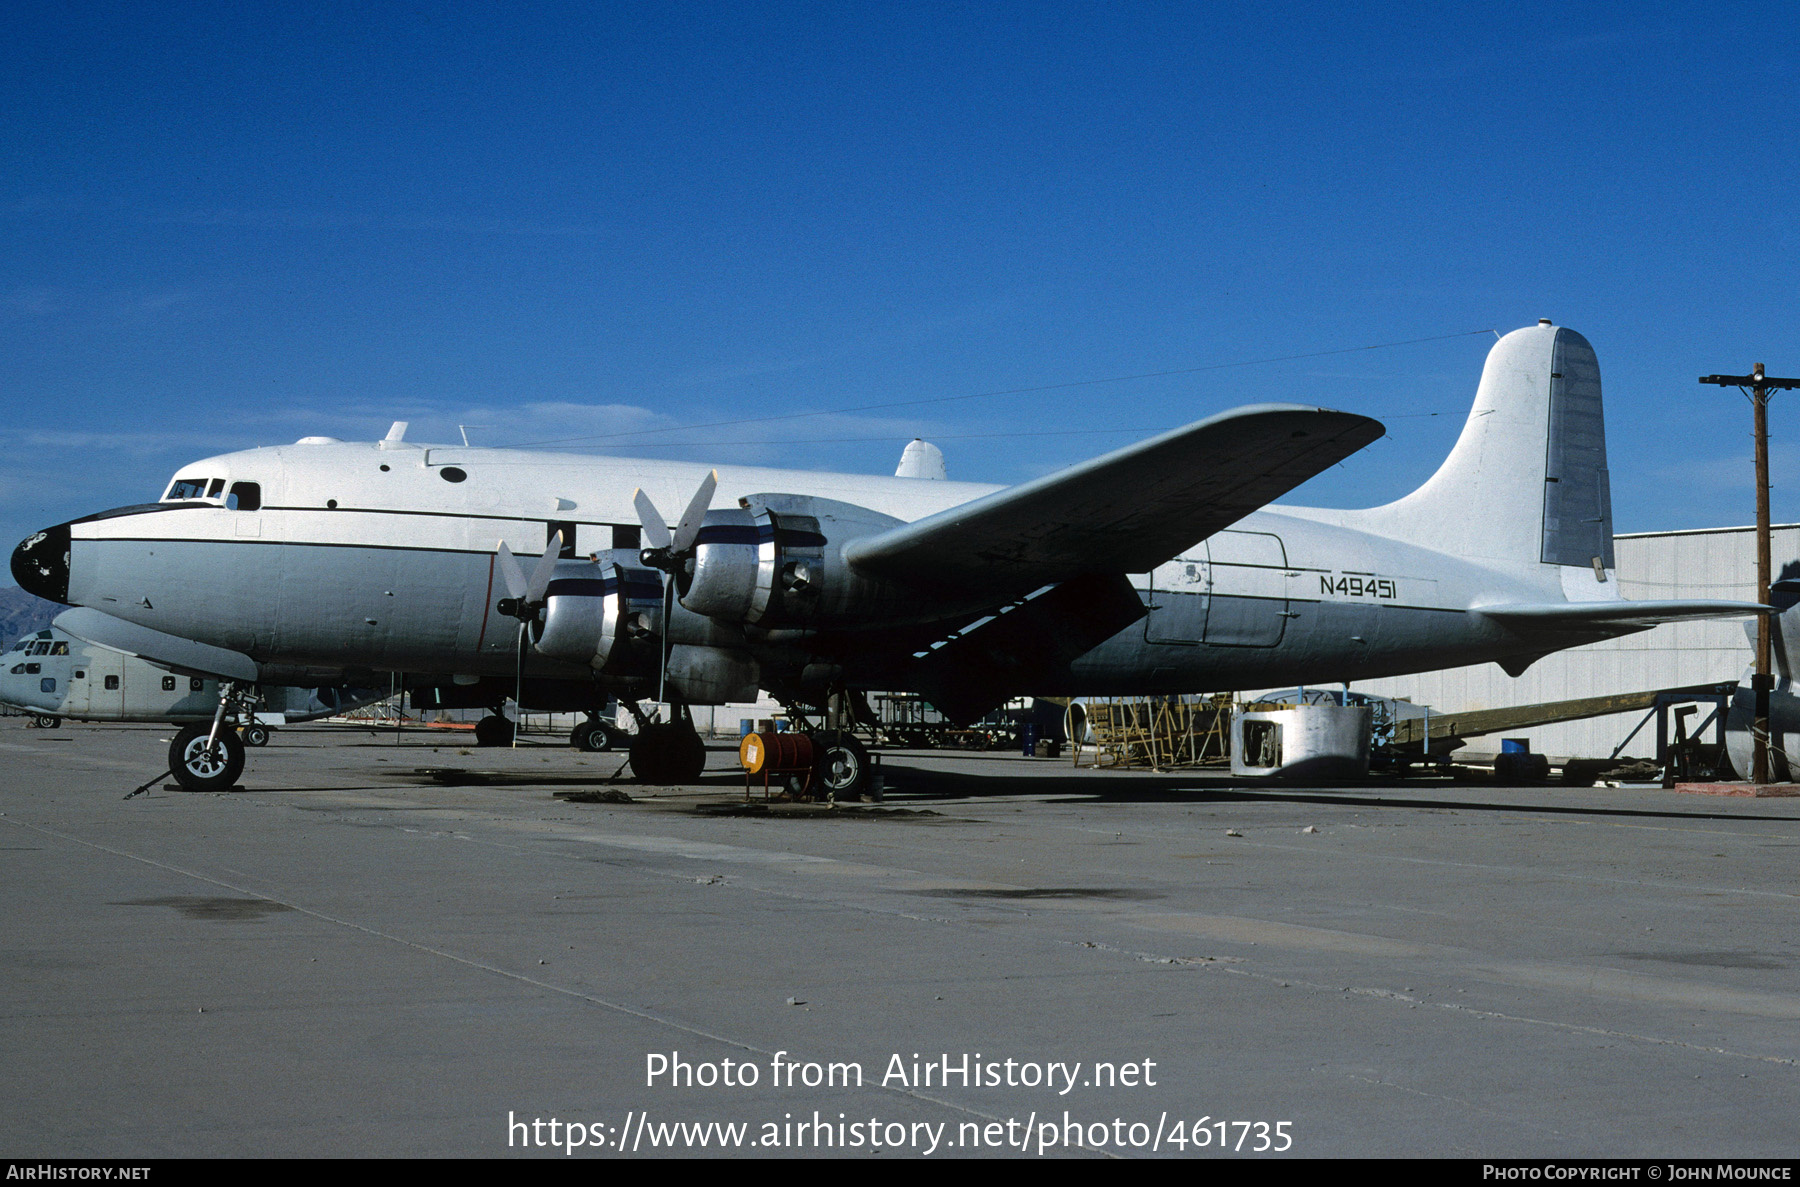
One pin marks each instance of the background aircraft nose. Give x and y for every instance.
(40, 564)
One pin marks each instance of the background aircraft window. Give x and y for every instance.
(195, 684)
(168, 684)
(81, 675)
(40, 648)
(625, 535)
(112, 682)
(33, 669)
(18, 669)
(59, 648)
(187, 488)
(245, 496)
(47, 684)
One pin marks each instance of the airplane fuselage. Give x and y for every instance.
(358, 556)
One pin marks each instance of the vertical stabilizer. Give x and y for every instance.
(1527, 480)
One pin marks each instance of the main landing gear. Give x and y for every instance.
(844, 768)
(494, 730)
(591, 735)
(666, 751)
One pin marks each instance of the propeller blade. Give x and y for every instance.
(691, 519)
(519, 681)
(656, 529)
(546, 566)
(511, 571)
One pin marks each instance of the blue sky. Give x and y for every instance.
(238, 224)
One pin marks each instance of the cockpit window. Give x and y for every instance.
(212, 491)
(186, 488)
(244, 496)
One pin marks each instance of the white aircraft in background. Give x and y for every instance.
(1158, 568)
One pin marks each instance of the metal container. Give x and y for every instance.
(1302, 742)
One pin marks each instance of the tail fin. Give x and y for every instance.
(1527, 480)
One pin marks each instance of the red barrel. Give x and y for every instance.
(776, 754)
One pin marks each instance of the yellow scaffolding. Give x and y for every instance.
(1157, 732)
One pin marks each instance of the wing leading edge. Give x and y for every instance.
(1126, 511)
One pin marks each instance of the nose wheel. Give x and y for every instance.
(198, 766)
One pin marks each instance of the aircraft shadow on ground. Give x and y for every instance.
(911, 784)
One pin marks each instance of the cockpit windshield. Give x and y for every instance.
(243, 496)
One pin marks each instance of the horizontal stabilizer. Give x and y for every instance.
(1123, 512)
(170, 651)
(1626, 616)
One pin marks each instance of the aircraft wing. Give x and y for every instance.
(1123, 512)
(1627, 616)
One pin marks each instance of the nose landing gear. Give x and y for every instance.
(210, 758)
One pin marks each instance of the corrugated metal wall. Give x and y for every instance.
(1716, 563)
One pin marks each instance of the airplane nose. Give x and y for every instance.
(40, 564)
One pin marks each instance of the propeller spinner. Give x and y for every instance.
(527, 592)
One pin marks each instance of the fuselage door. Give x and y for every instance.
(1248, 606)
(1179, 593)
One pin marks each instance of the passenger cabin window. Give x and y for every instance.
(112, 682)
(244, 496)
(47, 684)
(168, 684)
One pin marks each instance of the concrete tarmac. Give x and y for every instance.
(349, 957)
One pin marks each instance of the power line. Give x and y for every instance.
(1013, 391)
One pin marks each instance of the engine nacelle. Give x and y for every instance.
(778, 562)
(602, 614)
(712, 675)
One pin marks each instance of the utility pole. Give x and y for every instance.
(1757, 387)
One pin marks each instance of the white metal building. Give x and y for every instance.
(1706, 563)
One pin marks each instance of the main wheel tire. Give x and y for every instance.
(493, 730)
(198, 769)
(667, 752)
(843, 767)
(591, 736)
(255, 734)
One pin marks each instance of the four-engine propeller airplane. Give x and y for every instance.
(1157, 568)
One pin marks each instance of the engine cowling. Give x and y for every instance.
(777, 562)
(603, 614)
(609, 615)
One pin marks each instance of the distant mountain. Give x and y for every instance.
(21, 613)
